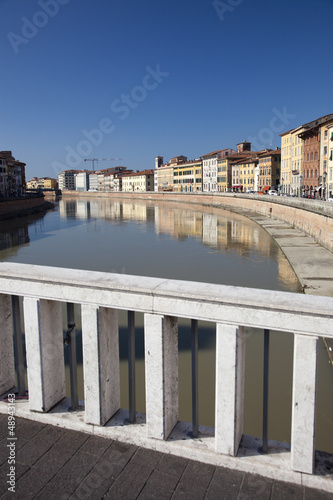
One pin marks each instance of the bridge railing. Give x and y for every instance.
(101, 295)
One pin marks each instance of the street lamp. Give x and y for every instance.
(282, 179)
(300, 185)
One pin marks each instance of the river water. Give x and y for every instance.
(185, 242)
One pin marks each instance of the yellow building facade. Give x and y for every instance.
(286, 161)
(50, 183)
(42, 183)
(187, 177)
(165, 178)
(138, 181)
(246, 174)
(291, 161)
(223, 175)
(325, 160)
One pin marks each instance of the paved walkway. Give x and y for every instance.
(59, 464)
(312, 263)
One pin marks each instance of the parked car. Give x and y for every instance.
(330, 199)
(273, 192)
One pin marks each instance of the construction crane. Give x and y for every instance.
(100, 159)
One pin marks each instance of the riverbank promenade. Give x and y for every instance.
(55, 463)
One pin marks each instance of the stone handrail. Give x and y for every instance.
(162, 301)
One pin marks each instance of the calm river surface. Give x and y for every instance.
(178, 241)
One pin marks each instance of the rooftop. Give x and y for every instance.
(270, 152)
(311, 126)
(219, 151)
(143, 172)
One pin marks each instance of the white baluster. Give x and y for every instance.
(229, 404)
(45, 353)
(100, 342)
(304, 404)
(161, 358)
(7, 367)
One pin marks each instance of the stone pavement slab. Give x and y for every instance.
(226, 484)
(312, 263)
(286, 490)
(75, 465)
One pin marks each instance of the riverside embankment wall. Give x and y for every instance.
(25, 206)
(313, 217)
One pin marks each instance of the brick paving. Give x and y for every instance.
(60, 464)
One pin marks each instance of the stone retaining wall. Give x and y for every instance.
(21, 207)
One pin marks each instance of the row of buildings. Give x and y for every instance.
(12, 178)
(107, 180)
(307, 158)
(302, 166)
(42, 183)
(223, 170)
(12, 175)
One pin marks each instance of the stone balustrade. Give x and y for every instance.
(162, 302)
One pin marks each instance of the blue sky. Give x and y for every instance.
(133, 80)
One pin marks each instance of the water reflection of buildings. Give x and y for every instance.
(209, 230)
(139, 212)
(14, 237)
(180, 223)
(15, 233)
(105, 209)
(225, 231)
(285, 273)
